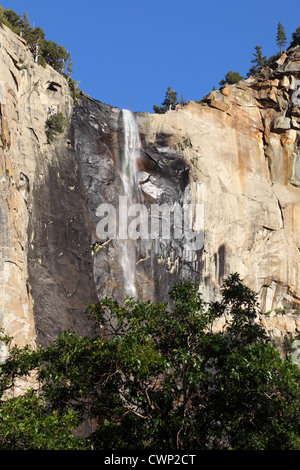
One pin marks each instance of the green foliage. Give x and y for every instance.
(44, 51)
(11, 19)
(281, 36)
(55, 124)
(163, 379)
(55, 55)
(273, 58)
(296, 34)
(231, 78)
(186, 143)
(259, 61)
(182, 101)
(27, 424)
(169, 102)
(74, 90)
(35, 37)
(42, 61)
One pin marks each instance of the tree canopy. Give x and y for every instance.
(169, 102)
(259, 61)
(44, 51)
(231, 78)
(296, 34)
(281, 36)
(162, 377)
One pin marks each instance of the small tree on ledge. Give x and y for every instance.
(281, 37)
(169, 102)
(231, 78)
(259, 61)
(55, 124)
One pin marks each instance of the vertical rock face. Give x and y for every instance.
(162, 182)
(45, 265)
(234, 159)
(225, 170)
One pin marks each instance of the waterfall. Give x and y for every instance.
(132, 145)
(131, 154)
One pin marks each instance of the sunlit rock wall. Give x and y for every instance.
(232, 159)
(234, 156)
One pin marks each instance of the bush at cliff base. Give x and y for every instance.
(159, 377)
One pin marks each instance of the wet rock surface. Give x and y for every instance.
(162, 178)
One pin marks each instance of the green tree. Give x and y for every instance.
(35, 38)
(259, 61)
(163, 379)
(281, 36)
(169, 102)
(44, 51)
(296, 34)
(55, 124)
(25, 27)
(56, 56)
(69, 67)
(26, 423)
(182, 101)
(13, 19)
(74, 89)
(231, 78)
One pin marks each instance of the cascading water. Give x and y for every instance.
(132, 147)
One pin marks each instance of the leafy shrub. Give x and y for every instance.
(55, 124)
(74, 90)
(44, 51)
(42, 61)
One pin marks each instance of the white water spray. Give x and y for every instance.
(132, 147)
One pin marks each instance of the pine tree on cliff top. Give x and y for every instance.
(259, 61)
(296, 34)
(231, 78)
(169, 102)
(281, 37)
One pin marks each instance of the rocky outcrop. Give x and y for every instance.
(233, 160)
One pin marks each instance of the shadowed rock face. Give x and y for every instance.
(46, 278)
(233, 159)
(162, 179)
(59, 257)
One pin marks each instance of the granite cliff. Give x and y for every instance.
(233, 159)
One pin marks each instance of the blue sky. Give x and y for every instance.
(127, 52)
